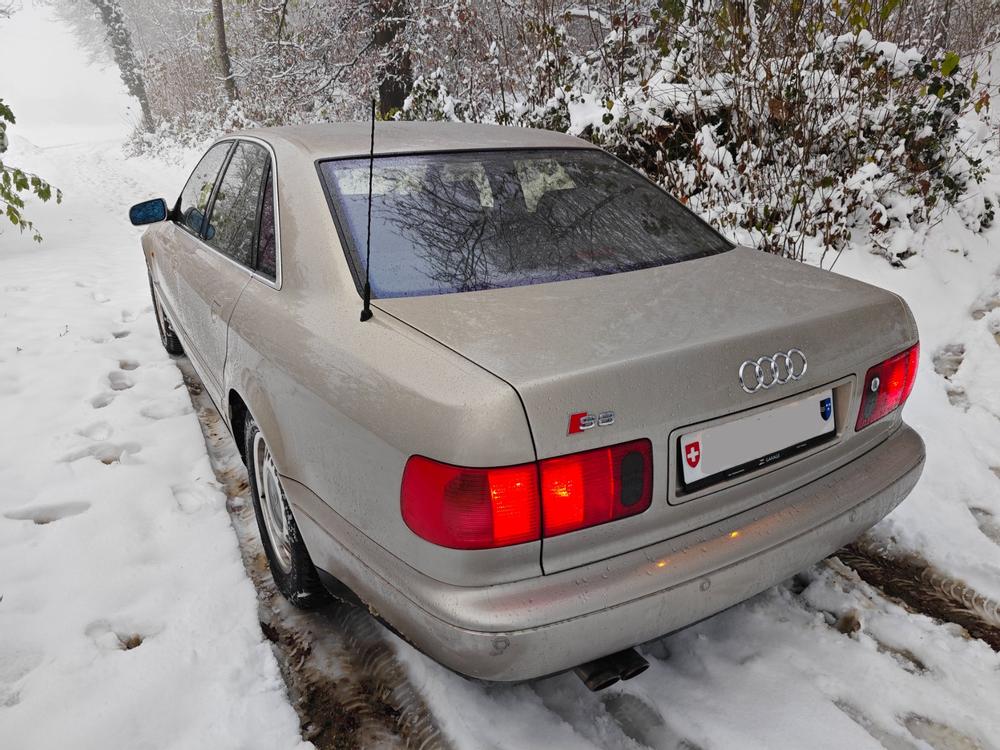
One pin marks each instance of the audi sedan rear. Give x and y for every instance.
(578, 418)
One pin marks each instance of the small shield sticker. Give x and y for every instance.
(826, 408)
(692, 454)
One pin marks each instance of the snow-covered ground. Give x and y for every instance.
(953, 516)
(127, 619)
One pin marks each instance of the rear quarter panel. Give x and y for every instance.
(343, 404)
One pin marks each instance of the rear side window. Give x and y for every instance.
(193, 201)
(456, 222)
(266, 253)
(232, 224)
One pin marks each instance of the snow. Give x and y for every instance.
(127, 619)
(901, 59)
(956, 274)
(772, 673)
(88, 97)
(112, 526)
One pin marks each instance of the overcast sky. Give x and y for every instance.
(57, 94)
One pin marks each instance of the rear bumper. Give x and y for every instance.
(526, 629)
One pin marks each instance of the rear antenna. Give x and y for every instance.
(366, 311)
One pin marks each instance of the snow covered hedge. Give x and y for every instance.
(781, 127)
(797, 126)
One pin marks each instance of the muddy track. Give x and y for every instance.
(343, 677)
(919, 586)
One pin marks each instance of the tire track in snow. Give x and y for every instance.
(343, 678)
(911, 729)
(924, 589)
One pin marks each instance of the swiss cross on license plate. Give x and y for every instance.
(692, 453)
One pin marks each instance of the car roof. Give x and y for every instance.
(332, 140)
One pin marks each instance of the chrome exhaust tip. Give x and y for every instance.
(632, 664)
(607, 670)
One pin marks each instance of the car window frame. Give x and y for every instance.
(176, 218)
(275, 282)
(357, 272)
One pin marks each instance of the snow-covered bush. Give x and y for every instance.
(790, 124)
(173, 139)
(848, 135)
(779, 126)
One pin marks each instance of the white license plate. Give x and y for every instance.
(728, 450)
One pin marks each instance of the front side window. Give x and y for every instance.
(455, 222)
(193, 201)
(232, 224)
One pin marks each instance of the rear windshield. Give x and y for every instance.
(458, 222)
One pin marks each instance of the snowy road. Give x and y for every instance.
(132, 602)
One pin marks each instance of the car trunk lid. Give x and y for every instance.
(661, 349)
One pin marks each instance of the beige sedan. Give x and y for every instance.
(576, 419)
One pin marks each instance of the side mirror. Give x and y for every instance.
(194, 220)
(148, 212)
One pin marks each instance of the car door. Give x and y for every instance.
(180, 238)
(214, 264)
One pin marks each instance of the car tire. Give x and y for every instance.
(167, 335)
(291, 567)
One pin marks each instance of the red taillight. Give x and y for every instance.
(470, 508)
(594, 487)
(887, 386)
(465, 508)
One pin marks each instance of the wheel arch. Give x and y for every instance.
(237, 422)
(250, 398)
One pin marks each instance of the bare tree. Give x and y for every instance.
(944, 22)
(121, 46)
(394, 75)
(222, 49)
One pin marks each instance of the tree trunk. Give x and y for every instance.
(225, 65)
(395, 78)
(944, 38)
(128, 66)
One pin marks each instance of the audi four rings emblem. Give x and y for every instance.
(777, 369)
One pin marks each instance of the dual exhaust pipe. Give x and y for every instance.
(607, 670)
